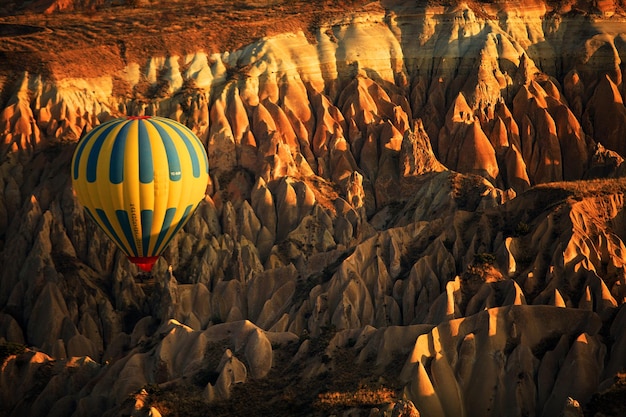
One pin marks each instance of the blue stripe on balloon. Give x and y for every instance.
(195, 164)
(124, 221)
(170, 150)
(146, 227)
(116, 171)
(183, 219)
(146, 168)
(167, 222)
(107, 224)
(94, 154)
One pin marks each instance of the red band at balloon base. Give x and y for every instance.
(144, 262)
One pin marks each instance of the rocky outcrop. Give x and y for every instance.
(450, 368)
(396, 200)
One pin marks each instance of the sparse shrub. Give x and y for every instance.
(483, 269)
(10, 348)
(521, 229)
(362, 397)
(484, 258)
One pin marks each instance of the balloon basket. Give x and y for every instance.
(145, 263)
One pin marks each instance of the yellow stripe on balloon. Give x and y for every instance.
(159, 186)
(131, 186)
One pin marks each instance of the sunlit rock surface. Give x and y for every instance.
(397, 200)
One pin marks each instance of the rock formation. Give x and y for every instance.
(411, 209)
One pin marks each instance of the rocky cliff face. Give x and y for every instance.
(424, 202)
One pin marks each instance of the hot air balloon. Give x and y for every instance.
(140, 179)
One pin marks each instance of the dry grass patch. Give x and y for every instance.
(362, 397)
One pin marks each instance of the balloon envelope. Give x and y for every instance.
(140, 179)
